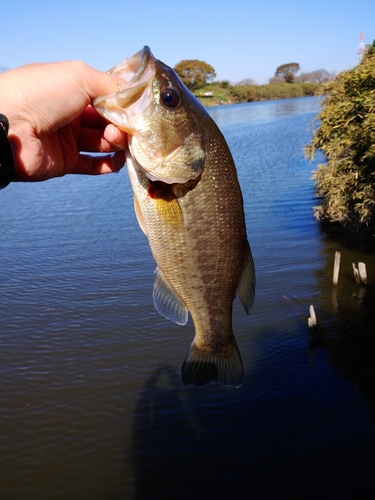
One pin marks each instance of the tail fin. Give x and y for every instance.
(202, 366)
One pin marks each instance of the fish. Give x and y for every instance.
(188, 202)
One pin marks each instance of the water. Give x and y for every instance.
(91, 401)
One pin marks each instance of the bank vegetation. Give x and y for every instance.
(224, 93)
(345, 180)
(200, 78)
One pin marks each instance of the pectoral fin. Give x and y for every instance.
(246, 285)
(166, 203)
(166, 302)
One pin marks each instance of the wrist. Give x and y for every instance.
(6, 154)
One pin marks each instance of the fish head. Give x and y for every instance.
(162, 118)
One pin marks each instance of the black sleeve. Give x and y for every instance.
(6, 155)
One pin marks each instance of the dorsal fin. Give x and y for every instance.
(246, 285)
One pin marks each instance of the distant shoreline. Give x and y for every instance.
(215, 94)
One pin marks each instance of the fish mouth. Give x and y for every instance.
(136, 73)
(132, 69)
(146, 55)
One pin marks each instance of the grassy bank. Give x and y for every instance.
(223, 93)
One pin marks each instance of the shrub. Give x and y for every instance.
(346, 136)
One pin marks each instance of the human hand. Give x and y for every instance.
(51, 122)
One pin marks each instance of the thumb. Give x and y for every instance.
(98, 83)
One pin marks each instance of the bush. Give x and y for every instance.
(273, 91)
(223, 91)
(224, 84)
(239, 93)
(346, 136)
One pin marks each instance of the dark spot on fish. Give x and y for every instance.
(160, 191)
(196, 165)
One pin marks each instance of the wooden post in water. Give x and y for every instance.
(336, 268)
(360, 273)
(311, 321)
(356, 273)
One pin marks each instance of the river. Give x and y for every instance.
(91, 400)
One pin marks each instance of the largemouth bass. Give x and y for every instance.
(188, 203)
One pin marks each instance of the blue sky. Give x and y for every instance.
(239, 38)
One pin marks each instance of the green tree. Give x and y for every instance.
(194, 73)
(288, 71)
(346, 136)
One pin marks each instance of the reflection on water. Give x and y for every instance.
(91, 399)
(346, 324)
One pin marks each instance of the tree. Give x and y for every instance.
(288, 71)
(276, 79)
(246, 81)
(195, 73)
(319, 76)
(224, 84)
(346, 136)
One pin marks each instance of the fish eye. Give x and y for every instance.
(170, 98)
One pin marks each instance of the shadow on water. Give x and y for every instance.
(346, 313)
(186, 445)
(159, 446)
(362, 240)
